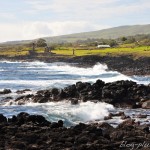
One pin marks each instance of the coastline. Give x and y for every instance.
(34, 132)
(124, 64)
(26, 131)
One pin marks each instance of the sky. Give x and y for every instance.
(30, 19)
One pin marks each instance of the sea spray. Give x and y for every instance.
(83, 112)
(39, 75)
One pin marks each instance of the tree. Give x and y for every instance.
(41, 42)
(123, 39)
(112, 43)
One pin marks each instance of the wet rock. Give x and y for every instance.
(107, 117)
(33, 133)
(55, 91)
(80, 86)
(13, 119)
(36, 119)
(57, 124)
(5, 91)
(80, 126)
(141, 116)
(127, 123)
(120, 94)
(3, 119)
(125, 117)
(22, 91)
(71, 91)
(62, 95)
(74, 101)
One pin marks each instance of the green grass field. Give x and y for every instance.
(136, 51)
(142, 51)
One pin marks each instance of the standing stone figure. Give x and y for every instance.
(33, 46)
(73, 51)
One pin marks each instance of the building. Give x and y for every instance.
(103, 46)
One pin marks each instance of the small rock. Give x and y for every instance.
(5, 91)
(74, 101)
(2, 118)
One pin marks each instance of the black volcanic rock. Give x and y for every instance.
(35, 132)
(3, 119)
(119, 93)
(5, 91)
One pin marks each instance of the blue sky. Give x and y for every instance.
(29, 19)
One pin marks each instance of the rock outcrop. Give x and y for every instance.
(5, 91)
(119, 93)
(30, 132)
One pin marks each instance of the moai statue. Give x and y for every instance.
(33, 46)
(49, 49)
(32, 51)
(46, 49)
(73, 51)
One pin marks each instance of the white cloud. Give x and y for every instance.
(56, 17)
(87, 10)
(87, 5)
(32, 30)
(6, 15)
(67, 5)
(9, 32)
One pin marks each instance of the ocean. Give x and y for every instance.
(39, 75)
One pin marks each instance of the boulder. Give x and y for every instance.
(34, 134)
(55, 91)
(58, 124)
(5, 91)
(74, 101)
(3, 119)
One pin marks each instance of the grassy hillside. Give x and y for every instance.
(112, 33)
(106, 33)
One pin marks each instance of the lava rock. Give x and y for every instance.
(5, 91)
(3, 119)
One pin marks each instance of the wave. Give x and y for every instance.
(83, 112)
(46, 75)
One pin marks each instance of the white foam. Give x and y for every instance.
(75, 74)
(11, 62)
(84, 112)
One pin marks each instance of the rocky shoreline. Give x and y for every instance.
(34, 132)
(124, 94)
(124, 64)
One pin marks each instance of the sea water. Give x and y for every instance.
(39, 75)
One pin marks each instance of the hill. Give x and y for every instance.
(112, 33)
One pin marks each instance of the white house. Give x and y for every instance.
(103, 46)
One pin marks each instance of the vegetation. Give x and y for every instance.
(124, 49)
(41, 42)
(137, 46)
(135, 51)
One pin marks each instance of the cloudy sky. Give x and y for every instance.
(29, 19)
